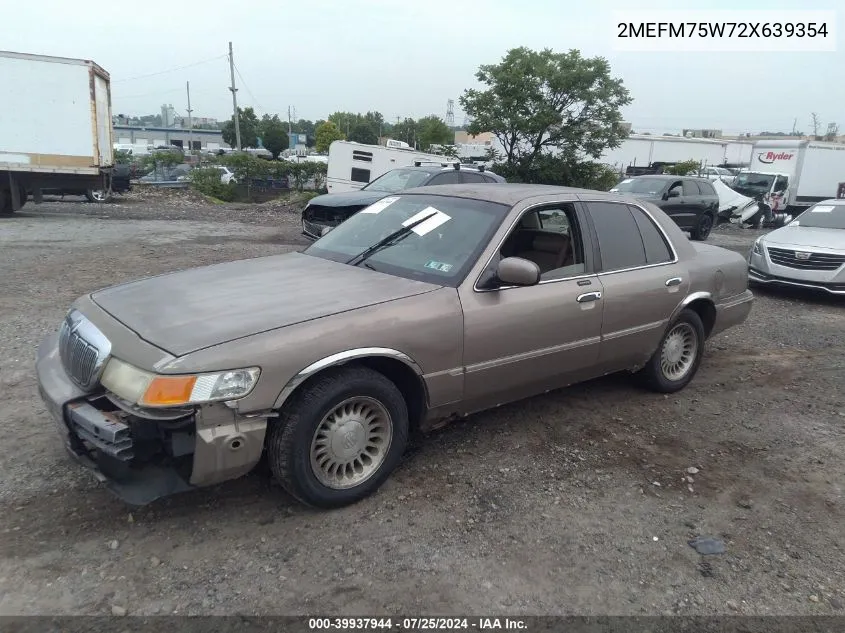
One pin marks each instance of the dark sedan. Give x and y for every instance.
(328, 211)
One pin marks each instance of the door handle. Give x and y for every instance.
(588, 296)
(675, 281)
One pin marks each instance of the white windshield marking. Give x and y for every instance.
(429, 225)
(822, 209)
(381, 205)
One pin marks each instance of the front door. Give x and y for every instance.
(641, 280)
(519, 341)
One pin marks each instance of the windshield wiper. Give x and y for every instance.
(388, 240)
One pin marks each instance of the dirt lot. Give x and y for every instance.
(575, 502)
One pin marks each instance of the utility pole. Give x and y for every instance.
(794, 126)
(235, 98)
(290, 125)
(190, 120)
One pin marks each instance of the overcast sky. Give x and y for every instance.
(406, 58)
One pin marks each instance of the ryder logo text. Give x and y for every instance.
(770, 157)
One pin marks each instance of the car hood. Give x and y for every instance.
(189, 310)
(807, 236)
(348, 199)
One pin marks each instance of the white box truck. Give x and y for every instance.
(55, 127)
(792, 174)
(352, 165)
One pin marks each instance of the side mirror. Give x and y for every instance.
(515, 271)
(325, 230)
(673, 193)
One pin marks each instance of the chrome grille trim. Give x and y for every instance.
(83, 350)
(815, 261)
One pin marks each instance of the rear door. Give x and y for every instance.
(691, 206)
(641, 279)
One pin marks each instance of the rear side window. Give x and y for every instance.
(619, 237)
(472, 177)
(691, 188)
(447, 178)
(490, 179)
(707, 189)
(656, 249)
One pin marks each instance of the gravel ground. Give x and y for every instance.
(581, 501)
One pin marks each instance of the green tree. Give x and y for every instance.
(250, 127)
(432, 130)
(274, 135)
(558, 170)
(536, 101)
(683, 168)
(405, 131)
(326, 134)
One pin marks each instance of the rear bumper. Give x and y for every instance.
(733, 311)
(759, 277)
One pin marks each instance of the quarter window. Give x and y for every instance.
(656, 250)
(446, 178)
(619, 238)
(471, 177)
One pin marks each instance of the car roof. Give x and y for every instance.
(436, 169)
(667, 177)
(502, 193)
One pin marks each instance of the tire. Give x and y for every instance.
(703, 227)
(662, 379)
(302, 454)
(98, 195)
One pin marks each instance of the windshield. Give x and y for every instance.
(641, 185)
(398, 180)
(823, 216)
(439, 250)
(754, 181)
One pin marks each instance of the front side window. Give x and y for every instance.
(551, 238)
(440, 250)
(620, 243)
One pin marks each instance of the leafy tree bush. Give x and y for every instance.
(547, 169)
(683, 168)
(327, 133)
(206, 180)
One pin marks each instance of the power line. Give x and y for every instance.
(169, 70)
(237, 70)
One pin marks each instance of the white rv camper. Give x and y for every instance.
(353, 165)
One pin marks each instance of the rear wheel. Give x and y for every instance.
(339, 438)
(98, 195)
(703, 227)
(678, 356)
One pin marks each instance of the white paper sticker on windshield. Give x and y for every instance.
(822, 209)
(381, 205)
(626, 180)
(437, 218)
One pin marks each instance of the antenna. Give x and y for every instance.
(450, 113)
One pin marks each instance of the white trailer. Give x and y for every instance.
(353, 165)
(802, 172)
(55, 126)
(641, 150)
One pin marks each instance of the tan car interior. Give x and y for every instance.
(550, 247)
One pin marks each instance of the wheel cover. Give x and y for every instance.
(98, 194)
(679, 351)
(705, 225)
(351, 443)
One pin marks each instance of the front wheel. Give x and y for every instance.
(339, 438)
(678, 356)
(703, 227)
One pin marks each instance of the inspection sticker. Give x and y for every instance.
(443, 268)
(823, 209)
(429, 225)
(381, 205)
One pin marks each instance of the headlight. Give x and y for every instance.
(156, 390)
(757, 248)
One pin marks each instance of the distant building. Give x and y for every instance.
(210, 140)
(168, 115)
(702, 133)
(462, 137)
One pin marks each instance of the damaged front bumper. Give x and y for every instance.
(143, 454)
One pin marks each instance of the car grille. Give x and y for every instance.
(816, 261)
(311, 228)
(79, 357)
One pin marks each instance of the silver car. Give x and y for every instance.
(809, 252)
